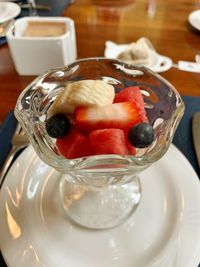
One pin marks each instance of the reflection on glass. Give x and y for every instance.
(13, 226)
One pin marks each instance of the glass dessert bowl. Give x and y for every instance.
(100, 190)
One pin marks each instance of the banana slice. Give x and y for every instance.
(82, 93)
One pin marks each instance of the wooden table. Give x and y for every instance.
(163, 22)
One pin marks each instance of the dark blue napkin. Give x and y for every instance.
(6, 131)
(182, 138)
(56, 6)
(183, 135)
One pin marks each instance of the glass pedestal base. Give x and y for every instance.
(99, 208)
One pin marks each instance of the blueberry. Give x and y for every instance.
(141, 135)
(58, 126)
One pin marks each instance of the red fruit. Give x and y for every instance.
(119, 115)
(109, 141)
(74, 145)
(132, 93)
(131, 148)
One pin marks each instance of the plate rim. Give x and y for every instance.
(15, 14)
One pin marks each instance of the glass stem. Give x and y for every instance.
(99, 208)
(32, 8)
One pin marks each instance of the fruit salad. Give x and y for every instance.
(88, 118)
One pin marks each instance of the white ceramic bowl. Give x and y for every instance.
(35, 55)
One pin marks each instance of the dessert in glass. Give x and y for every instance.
(99, 122)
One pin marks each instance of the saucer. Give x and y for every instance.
(194, 19)
(8, 10)
(161, 63)
(163, 232)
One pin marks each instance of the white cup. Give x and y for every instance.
(36, 55)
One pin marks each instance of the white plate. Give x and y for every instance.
(194, 19)
(161, 63)
(8, 10)
(163, 232)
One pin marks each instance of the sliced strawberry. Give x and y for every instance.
(109, 141)
(132, 93)
(74, 145)
(119, 115)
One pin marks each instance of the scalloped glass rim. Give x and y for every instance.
(26, 112)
